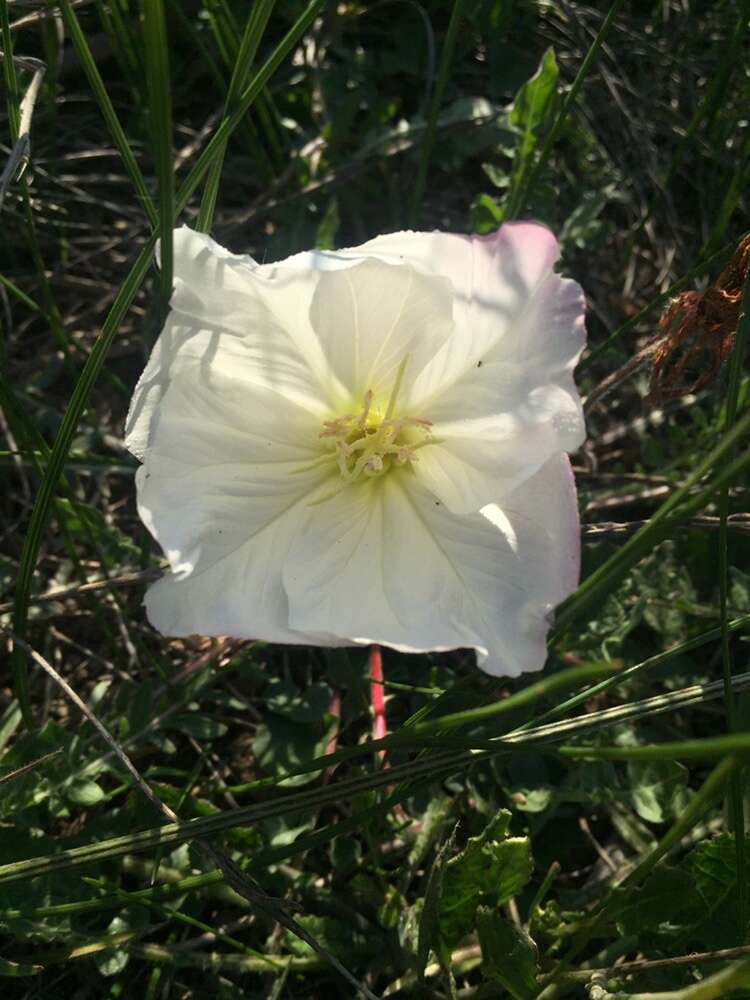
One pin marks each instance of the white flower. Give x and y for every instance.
(366, 446)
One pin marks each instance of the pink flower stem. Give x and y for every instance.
(377, 697)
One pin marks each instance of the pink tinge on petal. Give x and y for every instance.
(469, 260)
(531, 244)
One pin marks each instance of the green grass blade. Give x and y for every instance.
(12, 93)
(63, 441)
(651, 663)
(675, 510)
(43, 502)
(446, 61)
(424, 768)
(176, 833)
(194, 883)
(708, 748)
(526, 188)
(106, 107)
(254, 28)
(160, 116)
(123, 35)
(20, 295)
(526, 696)
(737, 186)
(215, 147)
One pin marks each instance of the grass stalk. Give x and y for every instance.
(12, 93)
(423, 769)
(521, 196)
(425, 152)
(676, 509)
(160, 120)
(43, 501)
(88, 63)
(254, 29)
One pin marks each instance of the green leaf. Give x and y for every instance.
(667, 900)
(532, 115)
(584, 225)
(491, 869)
(309, 705)
(530, 787)
(325, 238)
(84, 792)
(337, 936)
(281, 746)
(657, 788)
(486, 214)
(429, 918)
(691, 906)
(713, 868)
(200, 726)
(509, 955)
(111, 962)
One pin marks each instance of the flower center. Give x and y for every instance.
(368, 443)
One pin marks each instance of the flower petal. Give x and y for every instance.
(221, 491)
(388, 563)
(371, 316)
(231, 317)
(500, 392)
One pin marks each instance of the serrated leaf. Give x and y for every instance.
(491, 869)
(431, 827)
(712, 866)
(666, 901)
(509, 955)
(695, 905)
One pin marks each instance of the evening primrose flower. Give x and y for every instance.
(366, 446)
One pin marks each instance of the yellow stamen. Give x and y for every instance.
(366, 445)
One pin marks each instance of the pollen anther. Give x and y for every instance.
(367, 444)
